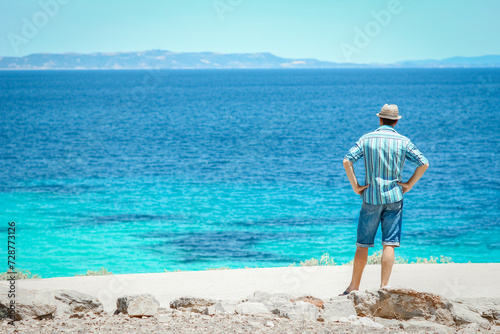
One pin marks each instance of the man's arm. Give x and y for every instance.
(415, 156)
(349, 170)
(414, 178)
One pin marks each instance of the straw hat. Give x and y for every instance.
(389, 111)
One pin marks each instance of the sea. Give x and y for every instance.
(140, 171)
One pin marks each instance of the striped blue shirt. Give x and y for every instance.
(384, 151)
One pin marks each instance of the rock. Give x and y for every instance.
(216, 308)
(197, 305)
(424, 326)
(348, 319)
(488, 308)
(30, 304)
(228, 306)
(138, 305)
(367, 322)
(463, 315)
(272, 300)
(406, 304)
(269, 324)
(4, 311)
(176, 313)
(390, 323)
(403, 304)
(74, 304)
(360, 321)
(35, 304)
(251, 308)
(312, 300)
(299, 310)
(336, 308)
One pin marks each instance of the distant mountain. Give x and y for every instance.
(483, 61)
(160, 59)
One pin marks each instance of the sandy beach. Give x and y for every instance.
(452, 280)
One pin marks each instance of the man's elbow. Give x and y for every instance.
(347, 162)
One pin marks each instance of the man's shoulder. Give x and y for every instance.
(384, 134)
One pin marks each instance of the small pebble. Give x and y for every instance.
(270, 324)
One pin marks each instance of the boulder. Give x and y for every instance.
(4, 302)
(197, 305)
(299, 310)
(272, 300)
(138, 305)
(30, 304)
(312, 300)
(336, 308)
(487, 308)
(217, 308)
(229, 306)
(367, 322)
(403, 304)
(463, 315)
(251, 308)
(72, 303)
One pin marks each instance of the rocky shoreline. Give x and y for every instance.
(387, 310)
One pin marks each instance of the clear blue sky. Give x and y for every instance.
(420, 29)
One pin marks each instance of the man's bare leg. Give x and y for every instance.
(387, 262)
(360, 259)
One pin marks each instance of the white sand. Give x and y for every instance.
(454, 281)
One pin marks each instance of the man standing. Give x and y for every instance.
(384, 152)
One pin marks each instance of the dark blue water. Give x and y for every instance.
(140, 171)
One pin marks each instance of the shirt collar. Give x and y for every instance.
(386, 128)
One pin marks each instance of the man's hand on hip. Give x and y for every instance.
(414, 178)
(352, 178)
(406, 186)
(359, 189)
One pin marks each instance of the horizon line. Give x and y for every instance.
(110, 53)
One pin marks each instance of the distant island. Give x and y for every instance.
(161, 59)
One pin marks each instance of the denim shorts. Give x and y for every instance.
(389, 215)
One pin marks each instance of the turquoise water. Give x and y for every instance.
(144, 171)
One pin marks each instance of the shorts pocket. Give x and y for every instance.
(394, 206)
(370, 207)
